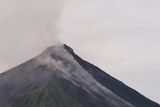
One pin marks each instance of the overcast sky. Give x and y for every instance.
(119, 36)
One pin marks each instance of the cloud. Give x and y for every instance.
(27, 28)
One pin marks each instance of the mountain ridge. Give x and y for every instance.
(111, 79)
(80, 80)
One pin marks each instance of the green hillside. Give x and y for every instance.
(50, 95)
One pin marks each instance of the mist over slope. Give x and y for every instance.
(58, 77)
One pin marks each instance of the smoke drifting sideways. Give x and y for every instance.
(27, 27)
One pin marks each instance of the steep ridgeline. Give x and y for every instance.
(60, 78)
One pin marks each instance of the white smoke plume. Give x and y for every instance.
(59, 61)
(26, 28)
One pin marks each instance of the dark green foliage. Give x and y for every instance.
(51, 95)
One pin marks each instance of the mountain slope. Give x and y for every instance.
(50, 95)
(72, 82)
(113, 84)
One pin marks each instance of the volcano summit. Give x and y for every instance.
(60, 78)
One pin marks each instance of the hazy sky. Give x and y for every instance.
(119, 36)
(26, 28)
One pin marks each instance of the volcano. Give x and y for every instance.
(60, 78)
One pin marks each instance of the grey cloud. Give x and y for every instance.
(27, 27)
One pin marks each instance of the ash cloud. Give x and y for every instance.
(27, 28)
